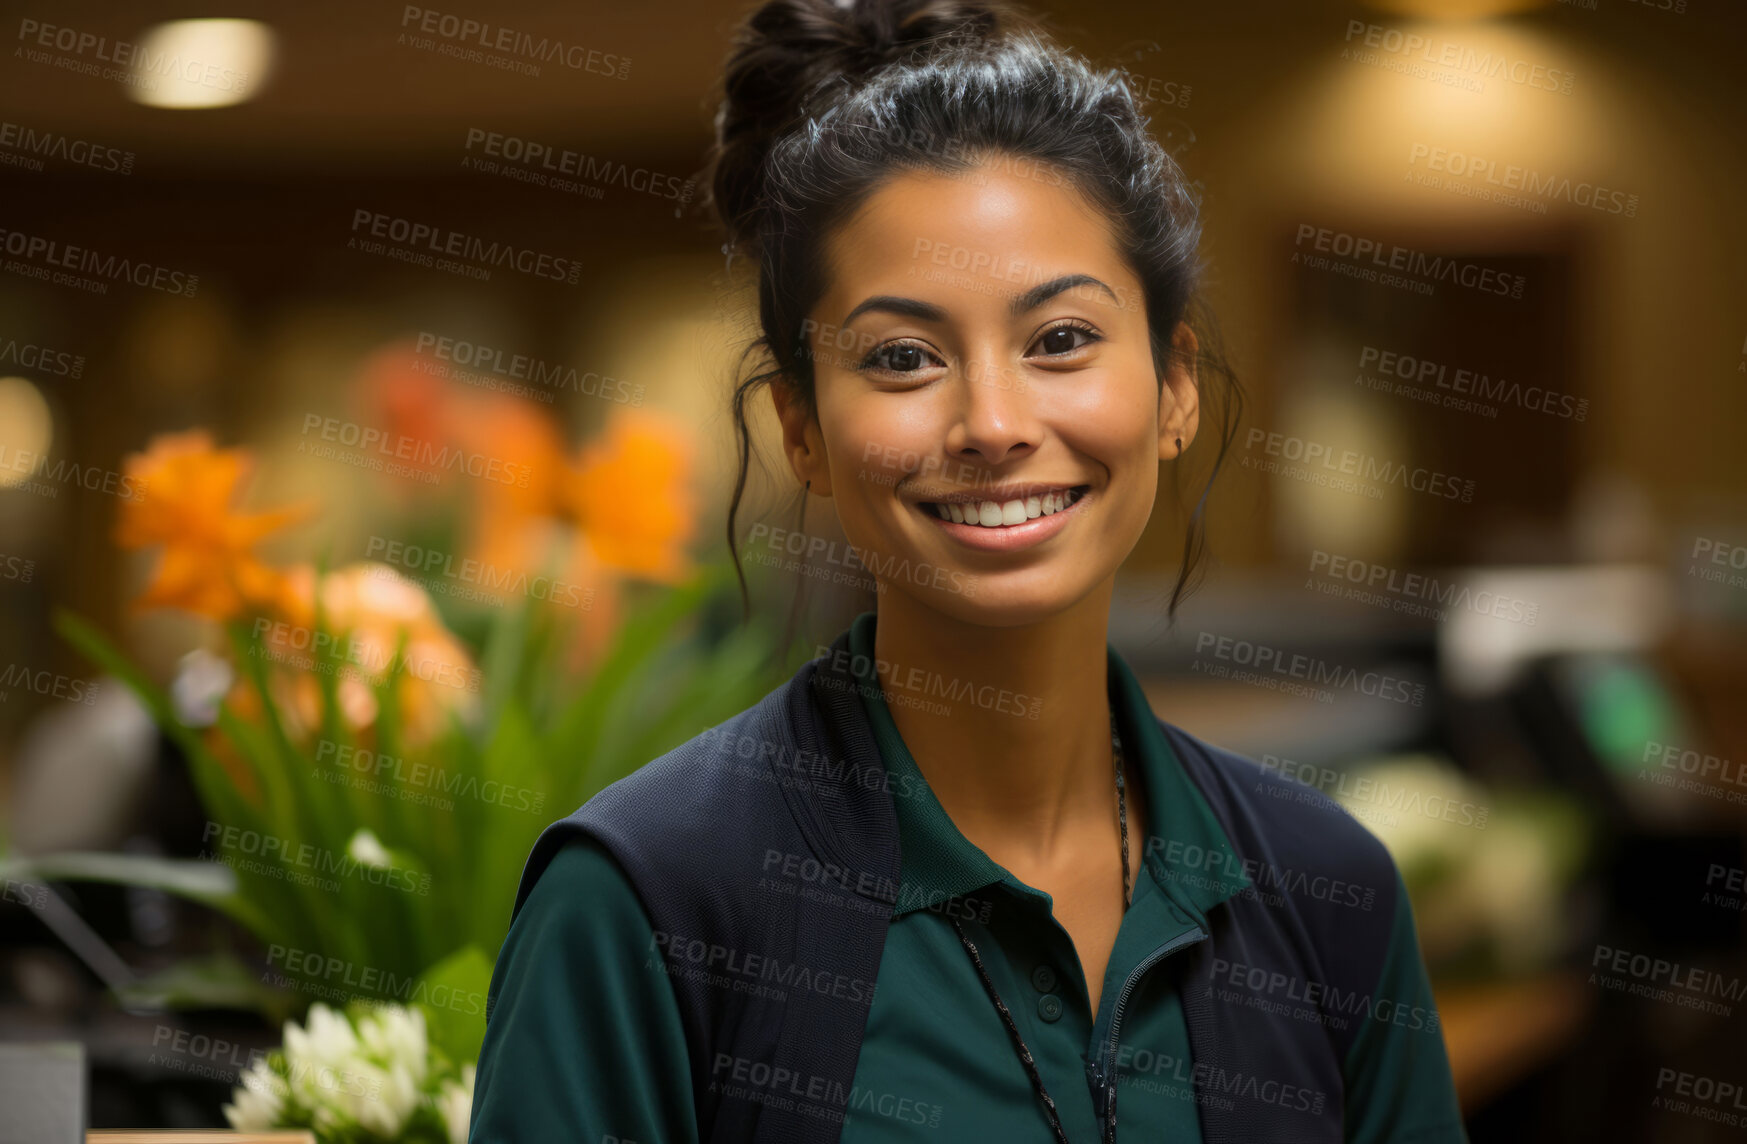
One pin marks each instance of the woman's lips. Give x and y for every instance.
(1008, 537)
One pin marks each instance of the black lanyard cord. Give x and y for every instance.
(1019, 1045)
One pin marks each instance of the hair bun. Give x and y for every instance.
(791, 57)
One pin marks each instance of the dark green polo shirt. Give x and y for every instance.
(585, 1040)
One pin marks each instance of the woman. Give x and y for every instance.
(955, 880)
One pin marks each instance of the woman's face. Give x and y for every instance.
(981, 352)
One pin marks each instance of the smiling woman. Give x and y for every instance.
(956, 873)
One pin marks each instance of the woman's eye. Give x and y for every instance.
(899, 357)
(1061, 340)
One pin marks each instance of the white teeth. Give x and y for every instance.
(991, 514)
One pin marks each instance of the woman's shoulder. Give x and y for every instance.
(1283, 825)
(582, 889)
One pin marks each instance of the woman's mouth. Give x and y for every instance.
(1002, 525)
(1005, 514)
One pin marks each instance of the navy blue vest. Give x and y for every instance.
(798, 773)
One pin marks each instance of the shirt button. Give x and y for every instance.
(1049, 1007)
(1044, 978)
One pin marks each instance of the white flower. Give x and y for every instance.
(398, 1098)
(319, 1057)
(202, 681)
(395, 1035)
(370, 1077)
(456, 1105)
(258, 1102)
(365, 847)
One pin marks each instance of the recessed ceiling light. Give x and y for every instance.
(201, 63)
(1458, 9)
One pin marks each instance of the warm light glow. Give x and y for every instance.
(1457, 9)
(201, 63)
(1389, 121)
(26, 429)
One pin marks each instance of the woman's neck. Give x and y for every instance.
(963, 696)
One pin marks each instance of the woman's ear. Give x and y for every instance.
(1179, 396)
(802, 443)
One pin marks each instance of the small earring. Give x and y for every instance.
(1179, 446)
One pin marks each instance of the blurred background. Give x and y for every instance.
(422, 349)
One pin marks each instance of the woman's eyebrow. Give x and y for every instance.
(903, 307)
(1044, 291)
(928, 312)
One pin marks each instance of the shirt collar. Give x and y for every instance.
(938, 862)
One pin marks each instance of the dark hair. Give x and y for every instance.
(822, 101)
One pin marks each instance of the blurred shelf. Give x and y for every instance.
(203, 1136)
(1498, 1034)
(1254, 721)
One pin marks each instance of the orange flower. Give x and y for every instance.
(366, 608)
(510, 515)
(186, 489)
(630, 495)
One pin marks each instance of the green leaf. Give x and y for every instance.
(453, 995)
(221, 981)
(210, 883)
